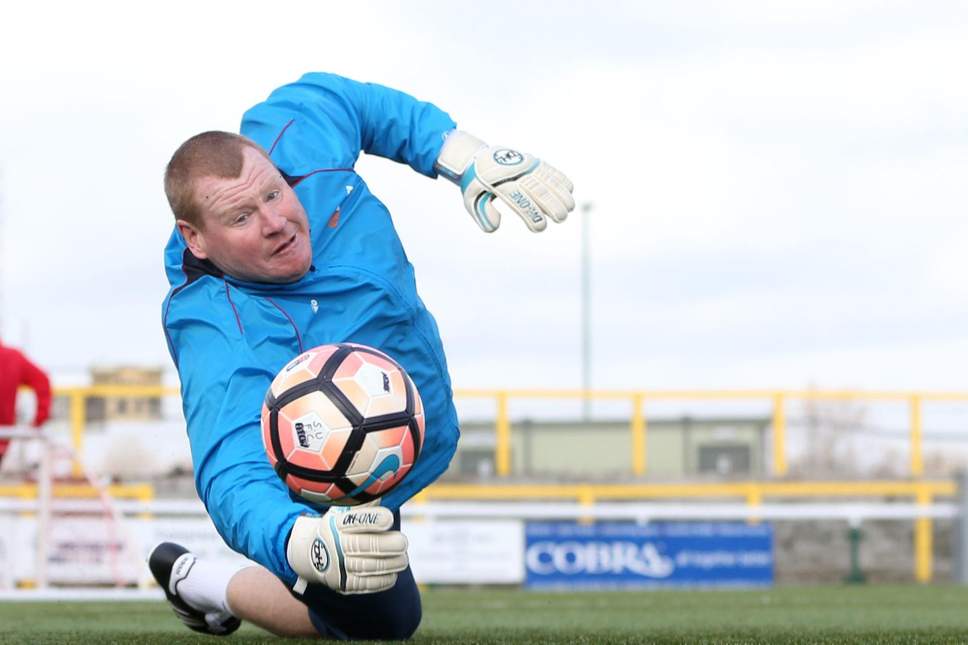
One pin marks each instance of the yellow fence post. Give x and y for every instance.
(754, 497)
(145, 494)
(917, 463)
(78, 397)
(502, 446)
(638, 434)
(586, 499)
(27, 492)
(779, 435)
(923, 539)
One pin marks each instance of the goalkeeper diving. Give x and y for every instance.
(280, 246)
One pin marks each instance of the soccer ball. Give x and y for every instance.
(342, 424)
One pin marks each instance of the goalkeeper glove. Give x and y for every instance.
(530, 187)
(350, 550)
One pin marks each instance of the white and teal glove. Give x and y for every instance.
(530, 187)
(350, 550)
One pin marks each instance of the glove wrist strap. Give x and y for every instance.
(457, 154)
(298, 549)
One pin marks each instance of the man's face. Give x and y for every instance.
(255, 228)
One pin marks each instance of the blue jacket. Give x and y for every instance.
(229, 338)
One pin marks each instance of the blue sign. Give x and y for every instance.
(625, 554)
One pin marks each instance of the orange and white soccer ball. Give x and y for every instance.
(342, 424)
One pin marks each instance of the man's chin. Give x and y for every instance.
(285, 275)
(283, 278)
(273, 272)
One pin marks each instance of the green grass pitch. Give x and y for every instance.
(875, 614)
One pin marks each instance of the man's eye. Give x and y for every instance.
(241, 218)
(273, 195)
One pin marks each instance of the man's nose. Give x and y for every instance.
(272, 221)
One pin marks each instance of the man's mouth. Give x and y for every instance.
(285, 246)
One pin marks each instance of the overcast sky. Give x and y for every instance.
(779, 189)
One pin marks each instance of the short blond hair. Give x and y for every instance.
(209, 154)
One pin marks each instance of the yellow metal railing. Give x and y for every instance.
(778, 398)
(140, 492)
(638, 425)
(923, 492)
(779, 435)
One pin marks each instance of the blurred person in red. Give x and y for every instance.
(16, 370)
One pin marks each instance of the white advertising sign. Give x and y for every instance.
(85, 550)
(466, 551)
(99, 551)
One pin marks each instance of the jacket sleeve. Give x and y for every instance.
(35, 378)
(222, 389)
(324, 121)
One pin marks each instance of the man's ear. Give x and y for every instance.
(194, 239)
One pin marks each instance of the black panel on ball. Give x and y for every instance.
(311, 474)
(415, 437)
(280, 470)
(274, 439)
(296, 392)
(410, 397)
(353, 445)
(387, 421)
(332, 392)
